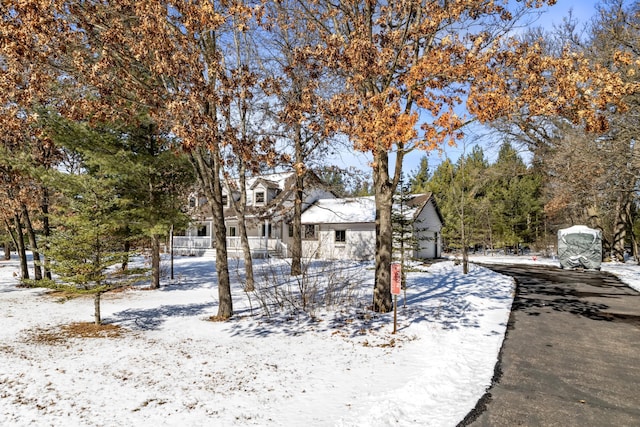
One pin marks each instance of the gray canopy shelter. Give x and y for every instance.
(580, 247)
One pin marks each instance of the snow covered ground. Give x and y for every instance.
(170, 365)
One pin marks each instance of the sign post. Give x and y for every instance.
(396, 280)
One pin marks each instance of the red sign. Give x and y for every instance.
(396, 278)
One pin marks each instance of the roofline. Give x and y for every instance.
(435, 206)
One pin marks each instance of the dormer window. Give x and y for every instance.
(259, 197)
(225, 200)
(192, 202)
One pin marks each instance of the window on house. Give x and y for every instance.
(290, 230)
(259, 197)
(341, 236)
(309, 232)
(262, 231)
(225, 200)
(232, 231)
(202, 231)
(192, 202)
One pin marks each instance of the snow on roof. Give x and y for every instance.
(273, 180)
(356, 210)
(336, 211)
(579, 229)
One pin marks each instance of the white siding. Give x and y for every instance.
(427, 228)
(359, 245)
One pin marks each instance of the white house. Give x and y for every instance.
(268, 215)
(346, 228)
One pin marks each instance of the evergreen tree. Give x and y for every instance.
(419, 181)
(460, 191)
(333, 178)
(515, 197)
(404, 241)
(440, 185)
(154, 182)
(147, 178)
(85, 243)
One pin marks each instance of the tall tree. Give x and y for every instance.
(615, 37)
(250, 147)
(440, 185)
(85, 244)
(299, 89)
(147, 176)
(163, 57)
(515, 196)
(567, 152)
(408, 65)
(420, 176)
(469, 187)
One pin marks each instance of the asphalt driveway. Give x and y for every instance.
(571, 355)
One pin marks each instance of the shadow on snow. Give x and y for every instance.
(590, 294)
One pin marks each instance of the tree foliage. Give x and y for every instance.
(402, 76)
(497, 205)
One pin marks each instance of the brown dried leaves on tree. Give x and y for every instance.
(416, 72)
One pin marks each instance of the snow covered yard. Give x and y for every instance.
(167, 364)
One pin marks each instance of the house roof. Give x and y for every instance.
(419, 201)
(360, 210)
(267, 183)
(280, 181)
(338, 211)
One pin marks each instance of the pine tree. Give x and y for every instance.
(84, 244)
(146, 177)
(404, 241)
(515, 195)
(420, 179)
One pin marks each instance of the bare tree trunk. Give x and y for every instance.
(7, 251)
(239, 208)
(382, 301)
(225, 308)
(9, 229)
(296, 248)
(155, 261)
(634, 247)
(620, 228)
(96, 308)
(248, 260)
(46, 229)
(296, 244)
(207, 166)
(22, 251)
(125, 257)
(171, 252)
(37, 268)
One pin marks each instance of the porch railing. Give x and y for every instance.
(233, 243)
(192, 242)
(258, 244)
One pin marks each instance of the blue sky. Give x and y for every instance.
(582, 10)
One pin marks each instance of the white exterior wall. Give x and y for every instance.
(427, 228)
(359, 245)
(311, 196)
